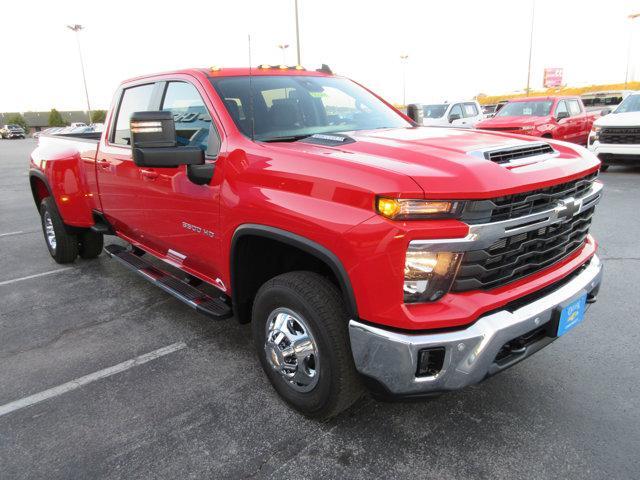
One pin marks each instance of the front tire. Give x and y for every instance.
(299, 326)
(62, 245)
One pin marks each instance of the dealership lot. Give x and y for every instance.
(200, 406)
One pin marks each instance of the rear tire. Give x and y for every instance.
(90, 244)
(62, 245)
(317, 377)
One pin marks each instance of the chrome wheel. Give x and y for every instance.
(291, 349)
(49, 231)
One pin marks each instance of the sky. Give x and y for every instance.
(456, 48)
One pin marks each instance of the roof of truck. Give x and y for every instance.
(260, 70)
(538, 99)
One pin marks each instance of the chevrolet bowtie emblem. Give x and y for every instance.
(568, 207)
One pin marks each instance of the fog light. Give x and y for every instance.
(430, 361)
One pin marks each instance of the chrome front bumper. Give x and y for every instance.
(391, 358)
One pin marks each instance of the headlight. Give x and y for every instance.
(428, 275)
(408, 209)
(594, 134)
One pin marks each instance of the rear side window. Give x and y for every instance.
(193, 122)
(574, 107)
(134, 99)
(470, 110)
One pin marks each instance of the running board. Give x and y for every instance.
(214, 308)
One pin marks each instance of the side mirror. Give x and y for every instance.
(605, 111)
(153, 142)
(453, 117)
(415, 112)
(562, 115)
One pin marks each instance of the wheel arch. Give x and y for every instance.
(40, 188)
(321, 254)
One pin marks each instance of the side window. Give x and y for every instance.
(134, 99)
(193, 122)
(470, 110)
(562, 107)
(456, 110)
(574, 107)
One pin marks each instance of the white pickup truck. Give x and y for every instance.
(457, 114)
(615, 138)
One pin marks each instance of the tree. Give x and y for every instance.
(18, 119)
(98, 116)
(55, 119)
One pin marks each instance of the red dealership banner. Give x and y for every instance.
(552, 77)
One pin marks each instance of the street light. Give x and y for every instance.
(404, 58)
(533, 16)
(283, 47)
(76, 29)
(631, 17)
(297, 35)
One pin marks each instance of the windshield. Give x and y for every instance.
(434, 111)
(13, 127)
(287, 108)
(526, 109)
(629, 104)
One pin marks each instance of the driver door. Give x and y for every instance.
(184, 216)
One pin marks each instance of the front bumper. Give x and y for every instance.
(391, 358)
(616, 152)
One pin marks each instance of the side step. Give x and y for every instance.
(214, 308)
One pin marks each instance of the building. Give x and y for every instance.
(38, 121)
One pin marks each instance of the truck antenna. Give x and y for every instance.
(253, 125)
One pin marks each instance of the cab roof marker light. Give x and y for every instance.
(215, 68)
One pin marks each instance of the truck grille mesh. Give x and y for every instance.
(512, 258)
(514, 206)
(629, 135)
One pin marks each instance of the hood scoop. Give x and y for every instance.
(518, 154)
(329, 139)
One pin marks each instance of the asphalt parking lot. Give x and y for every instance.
(203, 409)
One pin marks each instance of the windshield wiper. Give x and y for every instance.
(286, 138)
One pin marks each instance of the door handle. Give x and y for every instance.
(104, 163)
(150, 174)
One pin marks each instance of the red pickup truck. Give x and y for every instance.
(560, 118)
(366, 252)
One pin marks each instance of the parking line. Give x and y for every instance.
(11, 233)
(7, 282)
(92, 377)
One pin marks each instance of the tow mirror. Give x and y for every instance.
(453, 117)
(605, 111)
(562, 115)
(415, 112)
(153, 142)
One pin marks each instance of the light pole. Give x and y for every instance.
(631, 17)
(76, 29)
(533, 16)
(297, 35)
(404, 58)
(283, 47)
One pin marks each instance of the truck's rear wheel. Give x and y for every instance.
(300, 333)
(62, 245)
(90, 244)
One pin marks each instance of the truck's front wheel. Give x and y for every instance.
(300, 334)
(62, 245)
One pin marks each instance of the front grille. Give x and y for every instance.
(625, 135)
(512, 258)
(506, 155)
(520, 204)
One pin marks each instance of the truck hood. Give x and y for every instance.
(449, 162)
(627, 119)
(515, 122)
